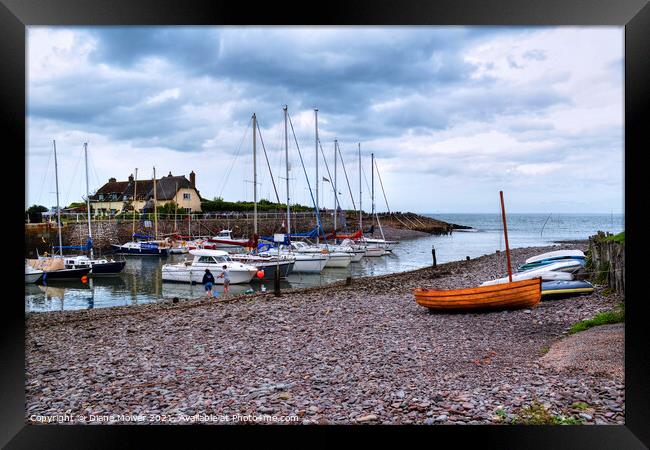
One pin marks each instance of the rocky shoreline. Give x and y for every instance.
(358, 353)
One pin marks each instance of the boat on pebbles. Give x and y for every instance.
(506, 295)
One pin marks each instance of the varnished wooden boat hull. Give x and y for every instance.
(518, 294)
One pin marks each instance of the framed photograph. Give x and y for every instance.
(372, 217)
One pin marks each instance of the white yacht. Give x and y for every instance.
(336, 258)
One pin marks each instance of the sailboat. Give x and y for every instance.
(144, 245)
(53, 267)
(99, 266)
(510, 295)
(382, 243)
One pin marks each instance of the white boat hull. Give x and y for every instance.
(557, 254)
(339, 260)
(374, 252)
(307, 264)
(33, 277)
(182, 273)
(559, 271)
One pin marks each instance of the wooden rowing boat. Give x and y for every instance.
(510, 295)
(518, 294)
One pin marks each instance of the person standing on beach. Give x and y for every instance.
(226, 280)
(208, 282)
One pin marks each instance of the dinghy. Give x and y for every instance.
(507, 295)
(561, 270)
(566, 287)
(518, 294)
(545, 262)
(558, 254)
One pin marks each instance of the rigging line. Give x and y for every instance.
(336, 198)
(72, 180)
(40, 192)
(382, 186)
(549, 216)
(223, 186)
(347, 179)
(320, 227)
(268, 164)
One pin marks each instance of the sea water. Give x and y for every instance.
(141, 280)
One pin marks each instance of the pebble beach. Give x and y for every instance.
(340, 354)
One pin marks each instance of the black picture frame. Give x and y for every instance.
(15, 15)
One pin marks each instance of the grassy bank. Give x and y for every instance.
(614, 316)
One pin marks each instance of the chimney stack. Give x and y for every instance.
(193, 179)
(112, 180)
(131, 178)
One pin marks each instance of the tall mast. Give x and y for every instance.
(335, 193)
(286, 157)
(90, 231)
(360, 210)
(135, 191)
(505, 234)
(58, 208)
(254, 174)
(317, 179)
(176, 207)
(155, 208)
(372, 182)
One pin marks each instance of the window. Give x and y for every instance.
(101, 197)
(186, 196)
(206, 259)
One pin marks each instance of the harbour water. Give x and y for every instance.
(141, 280)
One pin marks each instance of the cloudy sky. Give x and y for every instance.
(452, 114)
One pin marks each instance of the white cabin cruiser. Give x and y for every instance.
(193, 271)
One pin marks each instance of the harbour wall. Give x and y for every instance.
(43, 236)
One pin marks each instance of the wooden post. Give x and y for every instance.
(433, 253)
(505, 234)
(276, 279)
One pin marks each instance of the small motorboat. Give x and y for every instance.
(193, 271)
(560, 287)
(224, 240)
(518, 294)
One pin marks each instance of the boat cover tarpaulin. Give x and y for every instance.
(142, 236)
(353, 236)
(47, 264)
(88, 246)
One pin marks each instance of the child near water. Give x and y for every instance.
(226, 280)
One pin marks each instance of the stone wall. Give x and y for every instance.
(118, 231)
(607, 260)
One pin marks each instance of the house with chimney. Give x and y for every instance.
(116, 197)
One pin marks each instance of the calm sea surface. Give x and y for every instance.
(141, 280)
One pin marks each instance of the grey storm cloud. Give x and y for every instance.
(343, 73)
